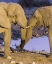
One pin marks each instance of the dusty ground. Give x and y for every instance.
(26, 58)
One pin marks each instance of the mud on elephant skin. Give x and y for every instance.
(13, 13)
(41, 17)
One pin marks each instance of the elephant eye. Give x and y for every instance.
(12, 16)
(16, 16)
(34, 16)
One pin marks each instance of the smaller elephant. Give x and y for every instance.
(41, 17)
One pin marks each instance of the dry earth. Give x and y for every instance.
(26, 58)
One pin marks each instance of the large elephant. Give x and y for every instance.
(41, 17)
(13, 13)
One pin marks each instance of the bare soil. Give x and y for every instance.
(26, 58)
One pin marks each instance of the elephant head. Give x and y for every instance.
(36, 19)
(14, 13)
(17, 15)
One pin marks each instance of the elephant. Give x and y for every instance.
(41, 17)
(13, 13)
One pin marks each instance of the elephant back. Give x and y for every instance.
(5, 21)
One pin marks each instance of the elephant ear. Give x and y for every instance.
(47, 19)
(10, 9)
(46, 15)
(4, 5)
(5, 21)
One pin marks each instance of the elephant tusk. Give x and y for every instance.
(28, 27)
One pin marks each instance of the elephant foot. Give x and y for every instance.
(9, 57)
(20, 50)
(22, 45)
(6, 55)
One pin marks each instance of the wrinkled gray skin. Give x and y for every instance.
(42, 16)
(11, 13)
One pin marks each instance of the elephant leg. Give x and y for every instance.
(50, 39)
(7, 40)
(23, 38)
(28, 34)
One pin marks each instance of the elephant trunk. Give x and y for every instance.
(28, 34)
(32, 22)
(23, 37)
(22, 23)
